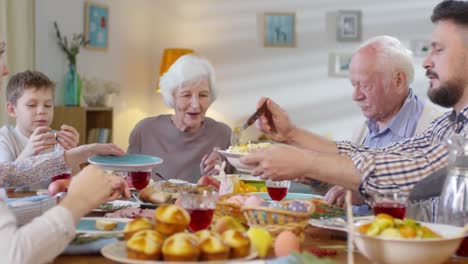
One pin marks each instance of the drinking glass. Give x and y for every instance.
(277, 189)
(139, 179)
(393, 204)
(200, 204)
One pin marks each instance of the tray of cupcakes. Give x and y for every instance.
(166, 240)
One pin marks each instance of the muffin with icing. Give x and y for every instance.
(202, 234)
(239, 243)
(145, 245)
(181, 247)
(136, 225)
(213, 248)
(170, 219)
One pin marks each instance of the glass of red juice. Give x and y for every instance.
(277, 189)
(393, 204)
(139, 179)
(200, 204)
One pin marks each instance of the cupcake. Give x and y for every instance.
(202, 234)
(238, 241)
(136, 225)
(145, 245)
(170, 219)
(181, 247)
(214, 248)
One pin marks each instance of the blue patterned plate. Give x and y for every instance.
(129, 162)
(87, 225)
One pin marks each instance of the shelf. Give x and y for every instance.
(83, 119)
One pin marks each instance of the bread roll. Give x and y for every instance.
(145, 244)
(106, 225)
(150, 195)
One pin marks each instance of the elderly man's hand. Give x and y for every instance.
(282, 125)
(336, 196)
(278, 162)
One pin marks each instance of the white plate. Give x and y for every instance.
(117, 252)
(116, 205)
(87, 225)
(129, 162)
(234, 160)
(338, 224)
(243, 177)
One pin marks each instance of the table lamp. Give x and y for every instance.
(170, 55)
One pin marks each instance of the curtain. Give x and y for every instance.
(17, 29)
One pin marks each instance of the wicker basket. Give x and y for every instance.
(278, 220)
(224, 208)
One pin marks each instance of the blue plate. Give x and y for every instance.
(266, 196)
(87, 225)
(129, 162)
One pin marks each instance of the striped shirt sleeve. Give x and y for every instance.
(401, 165)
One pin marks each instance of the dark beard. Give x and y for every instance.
(448, 94)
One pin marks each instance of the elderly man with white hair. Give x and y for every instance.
(381, 72)
(185, 140)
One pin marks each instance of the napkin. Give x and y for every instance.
(14, 202)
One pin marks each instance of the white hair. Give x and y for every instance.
(188, 69)
(392, 55)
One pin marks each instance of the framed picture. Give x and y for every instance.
(96, 26)
(338, 64)
(419, 47)
(348, 25)
(279, 30)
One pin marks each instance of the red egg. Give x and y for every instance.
(58, 186)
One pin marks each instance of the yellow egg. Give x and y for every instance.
(286, 243)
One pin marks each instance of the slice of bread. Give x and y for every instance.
(106, 225)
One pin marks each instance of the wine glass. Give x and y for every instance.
(200, 204)
(139, 179)
(277, 189)
(393, 204)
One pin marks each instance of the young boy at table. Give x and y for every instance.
(30, 101)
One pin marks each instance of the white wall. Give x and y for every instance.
(229, 33)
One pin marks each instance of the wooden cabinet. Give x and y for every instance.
(93, 123)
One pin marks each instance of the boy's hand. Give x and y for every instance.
(40, 140)
(68, 137)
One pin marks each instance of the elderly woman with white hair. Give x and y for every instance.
(185, 140)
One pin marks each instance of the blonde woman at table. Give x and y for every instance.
(186, 139)
(47, 236)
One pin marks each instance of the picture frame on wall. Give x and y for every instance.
(338, 64)
(96, 26)
(349, 25)
(279, 30)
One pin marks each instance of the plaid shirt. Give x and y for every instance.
(400, 166)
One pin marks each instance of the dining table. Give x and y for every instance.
(314, 238)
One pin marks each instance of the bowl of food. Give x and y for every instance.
(234, 153)
(393, 241)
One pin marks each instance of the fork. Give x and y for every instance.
(237, 131)
(160, 176)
